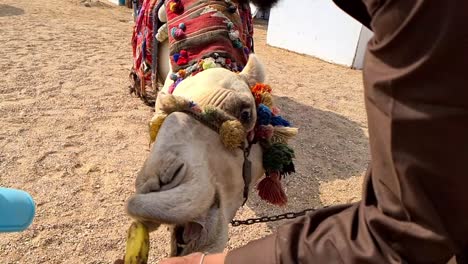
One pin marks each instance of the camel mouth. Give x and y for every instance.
(179, 240)
(185, 236)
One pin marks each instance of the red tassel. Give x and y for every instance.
(270, 190)
(182, 61)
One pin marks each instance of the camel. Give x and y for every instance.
(154, 41)
(208, 152)
(189, 174)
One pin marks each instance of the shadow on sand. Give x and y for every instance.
(328, 147)
(7, 11)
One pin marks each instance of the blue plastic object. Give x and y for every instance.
(17, 210)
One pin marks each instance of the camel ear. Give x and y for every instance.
(253, 72)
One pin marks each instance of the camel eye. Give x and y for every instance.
(245, 116)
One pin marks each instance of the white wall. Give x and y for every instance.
(314, 27)
(364, 38)
(114, 1)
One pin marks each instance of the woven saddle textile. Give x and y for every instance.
(217, 29)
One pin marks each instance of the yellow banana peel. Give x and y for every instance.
(138, 244)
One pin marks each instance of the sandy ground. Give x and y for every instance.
(72, 136)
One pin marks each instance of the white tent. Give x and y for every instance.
(320, 29)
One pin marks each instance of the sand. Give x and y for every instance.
(72, 136)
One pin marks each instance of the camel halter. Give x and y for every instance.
(271, 132)
(247, 164)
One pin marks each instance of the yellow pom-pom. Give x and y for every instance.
(182, 73)
(232, 134)
(154, 126)
(170, 103)
(283, 134)
(208, 64)
(267, 100)
(173, 6)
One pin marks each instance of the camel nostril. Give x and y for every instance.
(178, 170)
(163, 179)
(173, 176)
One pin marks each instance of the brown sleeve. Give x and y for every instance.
(414, 207)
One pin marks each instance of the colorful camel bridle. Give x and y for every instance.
(271, 131)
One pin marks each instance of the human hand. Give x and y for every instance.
(196, 258)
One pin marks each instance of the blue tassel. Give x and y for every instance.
(263, 115)
(176, 57)
(279, 121)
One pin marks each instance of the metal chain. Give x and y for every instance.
(274, 218)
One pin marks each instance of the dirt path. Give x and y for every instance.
(72, 136)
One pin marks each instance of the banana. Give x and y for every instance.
(137, 244)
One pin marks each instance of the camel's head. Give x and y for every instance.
(193, 178)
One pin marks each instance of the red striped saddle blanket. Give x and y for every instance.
(202, 34)
(206, 34)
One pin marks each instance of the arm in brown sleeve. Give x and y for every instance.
(414, 207)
